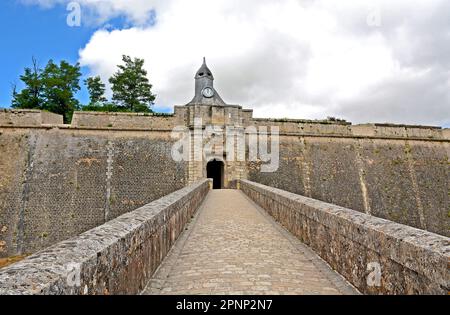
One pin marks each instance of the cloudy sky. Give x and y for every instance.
(364, 61)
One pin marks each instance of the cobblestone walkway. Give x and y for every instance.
(233, 247)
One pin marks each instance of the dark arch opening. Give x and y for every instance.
(214, 170)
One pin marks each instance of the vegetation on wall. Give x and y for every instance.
(54, 87)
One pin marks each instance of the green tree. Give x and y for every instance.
(96, 90)
(31, 95)
(52, 88)
(131, 87)
(60, 84)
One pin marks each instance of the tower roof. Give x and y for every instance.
(204, 71)
(205, 94)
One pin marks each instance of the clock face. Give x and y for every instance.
(208, 92)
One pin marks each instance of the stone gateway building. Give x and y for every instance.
(58, 181)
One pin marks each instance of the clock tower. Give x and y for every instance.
(208, 113)
(205, 94)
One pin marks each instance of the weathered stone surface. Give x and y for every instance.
(29, 117)
(412, 261)
(118, 257)
(58, 183)
(145, 121)
(233, 247)
(406, 181)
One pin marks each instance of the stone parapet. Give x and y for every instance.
(222, 116)
(28, 117)
(398, 131)
(145, 121)
(377, 256)
(446, 133)
(118, 257)
(324, 128)
(303, 127)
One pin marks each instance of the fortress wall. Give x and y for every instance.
(118, 257)
(377, 256)
(51, 118)
(24, 117)
(336, 128)
(56, 183)
(247, 115)
(123, 121)
(303, 126)
(406, 181)
(52, 177)
(446, 133)
(13, 163)
(403, 131)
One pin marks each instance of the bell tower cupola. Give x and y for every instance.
(205, 94)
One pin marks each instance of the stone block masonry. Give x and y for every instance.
(402, 180)
(29, 117)
(99, 120)
(57, 183)
(118, 257)
(232, 247)
(375, 255)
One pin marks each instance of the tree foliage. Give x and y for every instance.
(31, 96)
(130, 86)
(52, 88)
(60, 85)
(96, 89)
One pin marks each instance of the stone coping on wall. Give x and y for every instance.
(118, 257)
(336, 129)
(7, 110)
(411, 261)
(124, 114)
(445, 137)
(302, 121)
(166, 122)
(403, 126)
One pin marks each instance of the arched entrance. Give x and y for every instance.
(214, 170)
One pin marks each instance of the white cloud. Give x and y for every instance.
(306, 59)
(98, 11)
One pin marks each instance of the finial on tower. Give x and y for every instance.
(204, 71)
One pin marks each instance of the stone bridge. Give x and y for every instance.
(250, 240)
